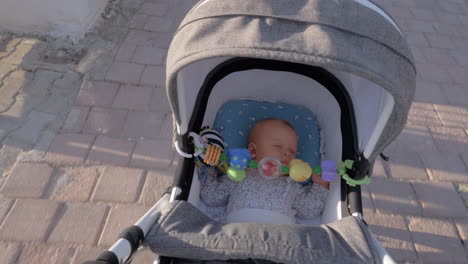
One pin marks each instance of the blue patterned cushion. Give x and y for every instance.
(235, 119)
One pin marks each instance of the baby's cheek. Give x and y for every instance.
(277, 153)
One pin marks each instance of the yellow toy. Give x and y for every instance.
(299, 170)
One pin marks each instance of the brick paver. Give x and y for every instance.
(28, 220)
(10, 46)
(125, 72)
(9, 252)
(163, 41)
(144, 255)
(139, 37)
(126, 52)
(69, 148)
(158, 24)
(436, 241)
(154, 154)
(433, 73)
(464, 157)
(427, 15)
(429, 92)
(155, 9)
(38, 152)
(17, 56)
(417, 40)
(368, 207)
(97, 93)
(423, 114)
(154, 76)
(30, 131)
(5, 205)
(62, 94)
(450, 139)
(394, 197)
(445, 167)
(8, 157)
(156, 184)
(439, 56)
(12, 84)
(133, 98)
(149, 55)
(461, 57)
(138, 21)
(84, 254)
(416, 138)
(108, 150)
(440, 199)
(27, 180)
(456, 94)
(106, 121)
(167, 127)
(439, 41)
(42, 82)
(159, 101)
(452, 116)
(392, 232)
(6, 69)
(119, 219)
(86, 230)
(39, 253)
(459, 74)
(76, 119)
(418, 58)
(405, 164)
(73, 183)
(143, 125)
(119, 184)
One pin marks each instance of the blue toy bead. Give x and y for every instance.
(239, 158)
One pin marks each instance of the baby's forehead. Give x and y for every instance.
(271, 126)
(264, 124)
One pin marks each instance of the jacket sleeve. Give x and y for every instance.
(309, 202)
(216, 190)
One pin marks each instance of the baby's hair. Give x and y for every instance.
(284, 122)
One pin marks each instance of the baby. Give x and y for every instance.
(257, 199)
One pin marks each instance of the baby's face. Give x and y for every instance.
(273, 138)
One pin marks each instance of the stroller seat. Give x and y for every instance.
(234, 121)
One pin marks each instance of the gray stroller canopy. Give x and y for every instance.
(345, 35)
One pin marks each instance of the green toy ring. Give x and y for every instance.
(352, 182)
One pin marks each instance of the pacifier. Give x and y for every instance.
(269, 168)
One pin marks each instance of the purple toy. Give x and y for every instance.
(328, 170)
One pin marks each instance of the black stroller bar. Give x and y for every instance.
(132, 237)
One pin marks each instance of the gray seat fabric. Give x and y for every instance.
(185, 232)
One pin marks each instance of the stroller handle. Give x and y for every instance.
(132, 237)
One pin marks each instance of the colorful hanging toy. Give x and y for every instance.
(209, 150)
(209, 145)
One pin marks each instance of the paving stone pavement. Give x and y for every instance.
(85, 138)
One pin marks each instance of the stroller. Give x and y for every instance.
(345, 61)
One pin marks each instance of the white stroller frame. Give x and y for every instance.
(379, 79)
